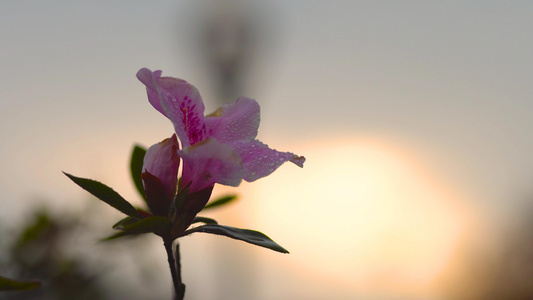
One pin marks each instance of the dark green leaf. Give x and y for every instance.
(106, 194)
(7, 284)
(204, 220)
(220, 201)
(249, 236)
(155, 224)
(136, 165)
(120, 234)
(125, 222)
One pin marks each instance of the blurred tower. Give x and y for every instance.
(227, 35)
(227, 43)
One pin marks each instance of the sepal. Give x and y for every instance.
(158, 200)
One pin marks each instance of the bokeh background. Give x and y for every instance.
(414, 117)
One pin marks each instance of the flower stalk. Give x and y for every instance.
(175, 269)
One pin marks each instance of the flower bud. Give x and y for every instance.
(160, 175)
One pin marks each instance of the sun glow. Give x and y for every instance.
(366, 213)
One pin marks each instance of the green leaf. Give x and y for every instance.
(7, 284)
(106, 194)
(156, 224)
(246, 235)
(204, 220)
(136, 165)
(120, 234)
(125, 222)
(220, 201)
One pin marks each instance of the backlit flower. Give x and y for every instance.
(218, 148)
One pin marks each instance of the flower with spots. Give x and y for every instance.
(217, 148)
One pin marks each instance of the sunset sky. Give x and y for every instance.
(414, 117)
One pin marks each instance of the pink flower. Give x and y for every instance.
(160, 175)
(218, 148)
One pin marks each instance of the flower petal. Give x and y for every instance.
(150, 79)
(162, 161)
(234, 122)
(179, 101)
(260, 161)
(210, 162)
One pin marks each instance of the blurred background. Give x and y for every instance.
(414, 117)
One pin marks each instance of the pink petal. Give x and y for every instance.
(162, 161)
(179, 101)
(260, 161)
(210, 162)
(150, 79)
(234, 122)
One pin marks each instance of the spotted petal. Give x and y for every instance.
(209, 162)
(259, 160)
(179, 101)
(234, 122)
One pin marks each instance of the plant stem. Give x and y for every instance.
(181, 293)
(175, 269)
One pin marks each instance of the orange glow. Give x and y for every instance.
(366, 215)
